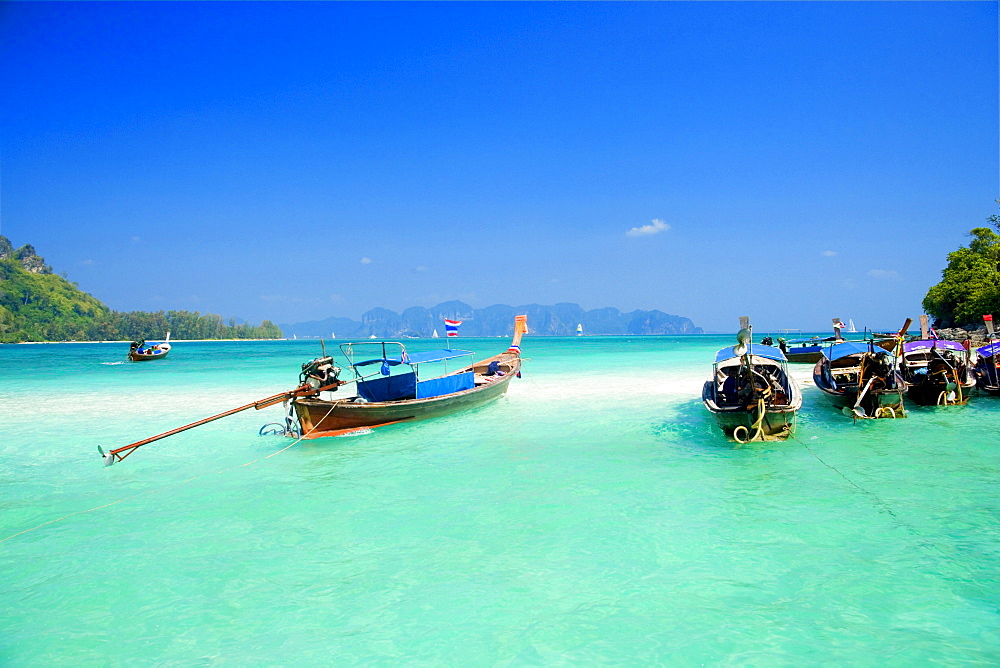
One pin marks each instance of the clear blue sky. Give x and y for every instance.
(295, 161)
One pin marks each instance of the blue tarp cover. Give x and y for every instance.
(436, 387)
(987, 351)
(389, 388)
(769, 352)
(848, 348)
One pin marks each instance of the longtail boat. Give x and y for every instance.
(750, 392)
(987, 369)
(937, 372)
(392, 387)
(861, 379)
(140, 351)
(373, 405)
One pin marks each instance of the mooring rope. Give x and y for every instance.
(924, 542)
(173, 485)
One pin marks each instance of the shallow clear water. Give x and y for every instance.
(594, 515)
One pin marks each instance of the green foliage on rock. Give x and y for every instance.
(37, 305)
(970, 284)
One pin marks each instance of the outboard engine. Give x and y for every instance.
(320, 372)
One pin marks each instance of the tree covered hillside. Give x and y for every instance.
(970, 284)
(37, 305)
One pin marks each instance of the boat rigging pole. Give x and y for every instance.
(303, 390)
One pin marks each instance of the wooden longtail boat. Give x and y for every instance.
(861, 380)
(140, 352)
(750, 393)
(390, 388)
(987, 370)
(937, 372)
(804, 351)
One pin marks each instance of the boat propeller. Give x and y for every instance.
(109, 458)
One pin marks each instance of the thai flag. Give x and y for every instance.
(451, 326)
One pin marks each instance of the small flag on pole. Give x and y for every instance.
(451, 327)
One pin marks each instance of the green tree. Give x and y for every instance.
(970, 284)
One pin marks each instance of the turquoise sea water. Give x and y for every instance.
(594, 515)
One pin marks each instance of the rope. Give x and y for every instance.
(755, 427)
(180, 484)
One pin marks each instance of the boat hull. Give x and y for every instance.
(809, 356)
(874, 403)
(319, 418)
(988, 375)
(930, 393)
(778, 423)
(136, 357)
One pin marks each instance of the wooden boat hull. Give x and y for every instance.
(136, 357)
(988, 375)
(847, 396)
(778, 423)
(929, 393)
(319, 418)
(809, 356)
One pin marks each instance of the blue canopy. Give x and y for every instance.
(757, 349)
(990, 350)
(849, 348)
(417, 358)
(436, 356)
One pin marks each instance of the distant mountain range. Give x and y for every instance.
(498, 320)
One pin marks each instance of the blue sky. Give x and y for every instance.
(295, 161)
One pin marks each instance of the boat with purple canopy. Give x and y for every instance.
(936, 372)
(987, 370)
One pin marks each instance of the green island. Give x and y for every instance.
(38, 305)
(970, 284)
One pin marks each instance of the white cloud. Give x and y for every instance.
(366, 260)
(828, 253)
(884, 274)
(655, 227)
(86, 263)
(850, 284)
(338, 299)
(421, 268)
(135, 240)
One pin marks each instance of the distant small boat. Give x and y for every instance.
(579, 329)
(372, 337)
(860, 378)
(851, 327)
(435, 335)
(140, 352)
(750, 392)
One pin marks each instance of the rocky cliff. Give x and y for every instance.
(497, 320)
(26, 255)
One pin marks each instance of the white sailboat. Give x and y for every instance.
(435, 335)
(579, 329)
(851, 327)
